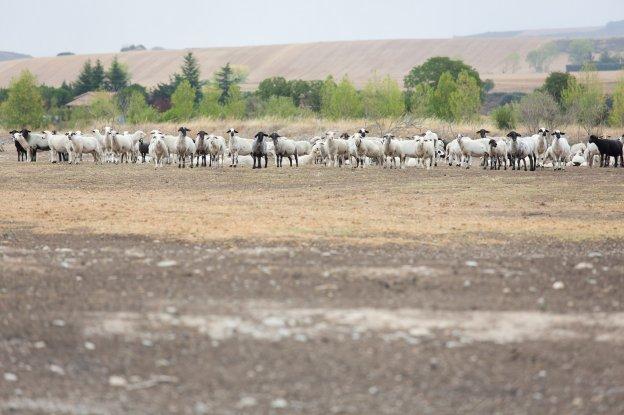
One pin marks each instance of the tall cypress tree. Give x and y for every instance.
(224, 79)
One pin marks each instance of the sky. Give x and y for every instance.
(47, 27)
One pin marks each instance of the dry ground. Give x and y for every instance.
(311, 290)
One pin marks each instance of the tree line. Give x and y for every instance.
(441, 88)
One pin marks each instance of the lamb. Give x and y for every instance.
(216, 149)
(498, 150)
(238, 146)
(425, 149)
(319, 152)
(367, 148)
(284, 148)
(34, 142)
(80, 144)
(258, 150)
(394, 150)
(454, 153)
(185, 146)
(158, 149)
(143, 149)
(591, 152)
(20, 145)
(520, 149)
(608, 149)
(337, 148)
(471, 148)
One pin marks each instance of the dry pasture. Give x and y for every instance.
(312, 290)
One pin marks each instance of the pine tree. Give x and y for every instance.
(117, 76)
(83, 83)
(224, 79)
(190, 71)
(97, 76)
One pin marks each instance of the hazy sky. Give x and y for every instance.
(46, 27)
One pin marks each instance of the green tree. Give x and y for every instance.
(225, 78)
(616, 118)
(235, 105)
(465, 101)
(541, 58)
(182, 102)
(441, 98)
(585, 101)
(282, 107)
(138, 111)
(418, 100)
(85, 77)
(103, 107)
(382, 97)
(191, 71)
(116, 77)
(504, 117)
(209, 105)
(341, 101)
(556, 83)
(431, 71)
(511, 63)
(24, 105)
(97, 76)
(274, 87)
(581, 51)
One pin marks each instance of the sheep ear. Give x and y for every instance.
(562, 133)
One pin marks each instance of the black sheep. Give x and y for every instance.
(143, 149)
(21, 151)
(608, 149)
(258, 150)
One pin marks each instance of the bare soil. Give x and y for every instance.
(311, 290)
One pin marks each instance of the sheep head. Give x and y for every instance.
(483, 132)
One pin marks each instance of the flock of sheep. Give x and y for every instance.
(358, 149)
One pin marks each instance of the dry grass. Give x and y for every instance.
(312, 203)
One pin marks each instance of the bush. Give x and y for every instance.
(282, 107)
(24, 105)
(504, 117)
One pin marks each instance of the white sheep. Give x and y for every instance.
(393, 149)
(80, 144)
(185, 146)
(238, 146)
(560, 150)
(284, 147)
(158, 149)
(497, 151)
(319, 152)
(454, 153)
(425, 149)
(540, 146)
(591, 152)
(217, 149)
(106, 143)
(304, 147)
(337, 148)
(471, 148)
(520, 149)
(59, 146)
(367, 148)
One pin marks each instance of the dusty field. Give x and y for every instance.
(313, 291)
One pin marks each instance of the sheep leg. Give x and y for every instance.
(296, 160)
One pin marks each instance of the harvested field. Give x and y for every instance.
(311, 290)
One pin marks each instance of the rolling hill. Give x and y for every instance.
(8, 56)
(357, 59)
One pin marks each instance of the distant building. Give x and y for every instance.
(86, 99)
